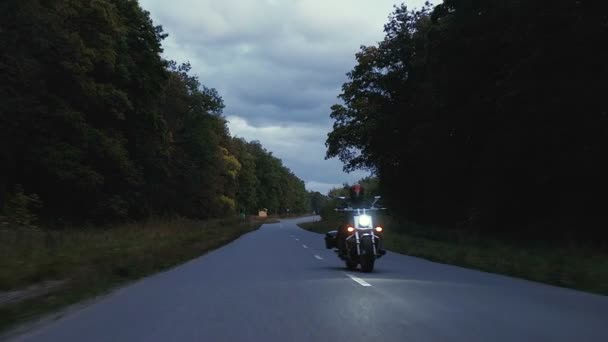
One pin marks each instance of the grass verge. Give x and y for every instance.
(573, 266)
(89, 262)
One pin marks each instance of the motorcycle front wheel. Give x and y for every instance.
(367, 256)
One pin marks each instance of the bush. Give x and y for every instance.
(20, 209)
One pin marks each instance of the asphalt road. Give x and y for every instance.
(281, 284)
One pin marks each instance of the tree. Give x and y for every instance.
(482, 114)
(102, 128)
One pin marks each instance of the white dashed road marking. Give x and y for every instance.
(358, 280)
(318, 257)
(304, 246)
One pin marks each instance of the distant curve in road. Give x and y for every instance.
(266, 286)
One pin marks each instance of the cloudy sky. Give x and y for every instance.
(279, 65)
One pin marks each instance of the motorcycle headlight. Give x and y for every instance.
(365, 220)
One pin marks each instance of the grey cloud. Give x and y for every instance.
(250, 88)
(285, 95)
(301, 149)
(278, 64)
(264, 115)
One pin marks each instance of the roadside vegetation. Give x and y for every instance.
(97, 130)
(484, 129)
(99, 136)
(577, 266)
(43, 270)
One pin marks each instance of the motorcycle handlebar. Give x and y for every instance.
(352, 209)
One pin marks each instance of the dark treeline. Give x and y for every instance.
(486, 115)
(96, 126)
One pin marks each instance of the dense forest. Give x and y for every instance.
(95, 126)
(486, 115)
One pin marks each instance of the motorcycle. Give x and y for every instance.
(362, 244)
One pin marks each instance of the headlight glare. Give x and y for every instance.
(365, 220)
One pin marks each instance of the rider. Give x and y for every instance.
(356, 200)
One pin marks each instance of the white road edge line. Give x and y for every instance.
(358, 280)
(304, 246)
(318, 257)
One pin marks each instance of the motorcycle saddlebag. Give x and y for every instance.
(330, 239)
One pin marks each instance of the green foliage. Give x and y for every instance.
(273, 186)
(95, 122)
(475, 114)
(317, 201)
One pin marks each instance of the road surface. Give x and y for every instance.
(280, 284)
